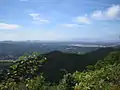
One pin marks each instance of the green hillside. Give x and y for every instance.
(58, 62)
(98, 70)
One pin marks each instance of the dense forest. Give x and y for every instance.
(96, 70)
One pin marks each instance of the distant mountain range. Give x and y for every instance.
(13, 49)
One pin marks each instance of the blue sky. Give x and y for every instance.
(60, 20)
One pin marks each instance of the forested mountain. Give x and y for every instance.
(58, 61)
(58, 67)
(97, 70)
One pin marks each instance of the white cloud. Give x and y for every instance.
(82, 20)
(34, 14)
(111, 13)
(97, 15)
(69, 25)
(8, 26)
(37, 19)
(44, 21)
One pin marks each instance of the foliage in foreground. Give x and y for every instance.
(104, 75)
(104, 79)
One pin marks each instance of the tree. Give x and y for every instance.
(26, 67)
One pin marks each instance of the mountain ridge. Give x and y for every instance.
(71, 62)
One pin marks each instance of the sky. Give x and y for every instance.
(60, 20)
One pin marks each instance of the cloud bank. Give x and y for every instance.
(111, 13)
